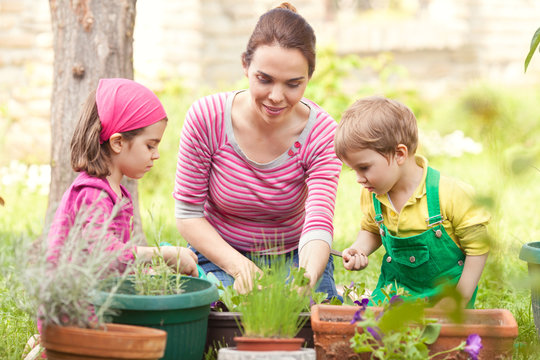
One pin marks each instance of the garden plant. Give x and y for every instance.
(59, 284)
(401, 331)
(280, 294)
(502, 122)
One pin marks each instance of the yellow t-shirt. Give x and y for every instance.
(464, 220)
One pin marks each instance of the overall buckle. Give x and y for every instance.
(434, 220)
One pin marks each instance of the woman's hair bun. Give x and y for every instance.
(288, 6)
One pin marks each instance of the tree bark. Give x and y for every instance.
(92, 40)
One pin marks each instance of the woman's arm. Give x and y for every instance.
(202, 133)
(322, 174)
(203, 237)
(313, 257)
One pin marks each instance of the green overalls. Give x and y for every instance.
(420, 263)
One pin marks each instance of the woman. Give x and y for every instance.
(257, 167)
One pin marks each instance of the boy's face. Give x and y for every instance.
(373, 171)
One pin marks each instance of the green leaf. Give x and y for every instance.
(534, 44)
(399, 316)
(422, 351)
(431, 333)
(335, 301)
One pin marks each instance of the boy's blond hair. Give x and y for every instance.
(378, 124)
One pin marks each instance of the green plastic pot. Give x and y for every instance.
(183, 316)
(530, 252)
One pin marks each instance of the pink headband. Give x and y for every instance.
(125, 105)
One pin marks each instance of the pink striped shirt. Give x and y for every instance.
(289, 200)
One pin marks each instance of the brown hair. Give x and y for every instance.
(376, 123)
(87, 154)
(284, 26)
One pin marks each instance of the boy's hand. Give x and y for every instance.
(354, 260)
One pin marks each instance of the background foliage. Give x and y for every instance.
(504, 121)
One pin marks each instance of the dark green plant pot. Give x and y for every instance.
(183, 316)
(530, 252)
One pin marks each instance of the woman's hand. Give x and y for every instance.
(244, 274)
(354, 259)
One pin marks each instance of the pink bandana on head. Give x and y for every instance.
(125, 105)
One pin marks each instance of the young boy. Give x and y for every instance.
(429, 225)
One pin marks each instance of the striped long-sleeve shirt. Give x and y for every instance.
(289, 200)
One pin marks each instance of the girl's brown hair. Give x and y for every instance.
(87, 154)
(284, 26)
(376, 123)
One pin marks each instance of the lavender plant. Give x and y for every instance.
(58, 290)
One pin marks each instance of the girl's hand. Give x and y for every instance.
(182, 258)
(243, 278)
(354, 260)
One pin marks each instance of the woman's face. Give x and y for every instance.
(277, 80)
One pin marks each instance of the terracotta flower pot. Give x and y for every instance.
(244, 343)
(498, 329)
(223, 328)
(114, 342)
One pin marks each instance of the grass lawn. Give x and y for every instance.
(503, 173)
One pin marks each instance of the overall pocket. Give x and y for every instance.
(414, 264)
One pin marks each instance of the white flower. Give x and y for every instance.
(454, 144)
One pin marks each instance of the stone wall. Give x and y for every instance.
(441, 43)
(26, 64)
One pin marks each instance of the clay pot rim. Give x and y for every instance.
(112, 329)
(508, 328)
(118, 341)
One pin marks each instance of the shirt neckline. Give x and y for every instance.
(281, 159)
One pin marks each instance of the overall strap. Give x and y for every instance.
(432, 193)
(378, 211)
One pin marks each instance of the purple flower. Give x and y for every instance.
(473, 346)
(362, 303)
(375, 332)
(352, 284)
(396, 299)
(357, 316)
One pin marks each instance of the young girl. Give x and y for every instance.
(117, 135)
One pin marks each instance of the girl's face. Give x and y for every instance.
(277, 80)
(137, 156)
(373, 171)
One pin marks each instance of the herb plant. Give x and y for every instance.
(157, 277)
(59, 292)
(272, 309)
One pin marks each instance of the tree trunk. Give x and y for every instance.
(92, 40)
